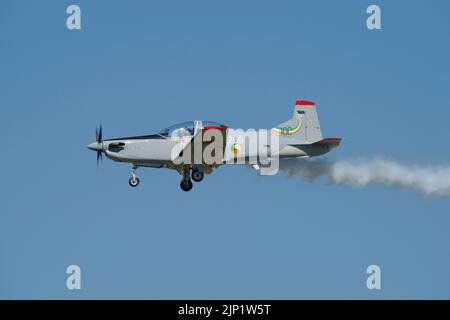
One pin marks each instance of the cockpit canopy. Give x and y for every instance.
(187, 128)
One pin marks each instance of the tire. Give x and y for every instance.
(134, 182)
(186, 185)
(197, 176)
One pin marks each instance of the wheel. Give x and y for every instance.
(186, 184)
(134, 181)
(197, 175)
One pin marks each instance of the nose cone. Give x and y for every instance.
(95, 146)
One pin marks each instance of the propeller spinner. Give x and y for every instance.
(98, 145)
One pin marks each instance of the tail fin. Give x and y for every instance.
(304, 126)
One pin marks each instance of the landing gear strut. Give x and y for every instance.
(186, 183)
(134, 180)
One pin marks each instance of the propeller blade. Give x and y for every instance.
(101, 134)
(99, 157)
(99, 139)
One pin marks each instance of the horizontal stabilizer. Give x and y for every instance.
(327, 142)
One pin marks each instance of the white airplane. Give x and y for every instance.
(298, 137)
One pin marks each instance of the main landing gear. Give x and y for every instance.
(186, 183)
(134, 180)
(197, 175)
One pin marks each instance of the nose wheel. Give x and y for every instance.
(134, 180)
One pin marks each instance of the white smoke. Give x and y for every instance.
(429, 180)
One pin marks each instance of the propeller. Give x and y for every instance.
(99, 139)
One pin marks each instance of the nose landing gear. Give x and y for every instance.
(134, 180)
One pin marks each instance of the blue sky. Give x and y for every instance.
(139, 66)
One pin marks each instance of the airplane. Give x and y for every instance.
(298, 137)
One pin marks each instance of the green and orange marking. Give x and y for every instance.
(235, 148)
(288, 130)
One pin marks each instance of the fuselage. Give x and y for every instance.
(157, 150)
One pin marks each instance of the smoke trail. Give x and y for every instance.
(429, 180)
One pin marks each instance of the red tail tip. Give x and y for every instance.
(304, 103)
